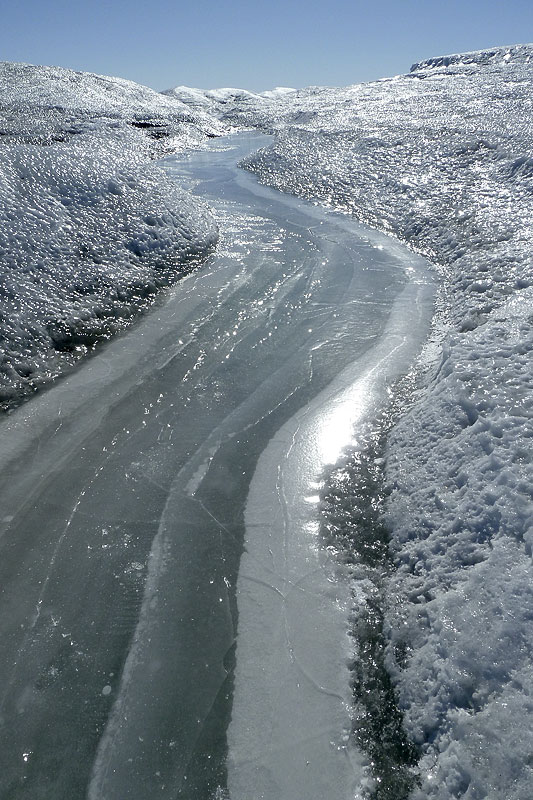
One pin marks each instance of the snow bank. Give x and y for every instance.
(88, 229)
(460, 620)
(442, 158)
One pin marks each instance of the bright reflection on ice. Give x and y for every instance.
(335, 428)
(294, 603)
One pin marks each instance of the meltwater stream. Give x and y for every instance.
(169, 624)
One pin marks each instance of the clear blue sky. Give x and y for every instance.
(210, 43)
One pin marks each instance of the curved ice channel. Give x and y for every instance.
(135, 662)
(289, 734)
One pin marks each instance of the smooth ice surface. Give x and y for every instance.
(442, 158)
(123, 491)
(291, 721)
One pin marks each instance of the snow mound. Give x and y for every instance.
(236, 107)
(89, 229)
(278, 91)
(226, 95)
(197, 99)
(56, 88)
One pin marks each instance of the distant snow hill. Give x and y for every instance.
(89, 229)
(217, 99)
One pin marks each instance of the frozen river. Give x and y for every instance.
(136, 659)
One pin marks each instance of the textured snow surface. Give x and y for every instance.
(461, 602)
(443, 158)
(88, 228)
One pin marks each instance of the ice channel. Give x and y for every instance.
(169, 625)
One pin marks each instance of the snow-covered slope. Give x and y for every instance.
(443, 158)
(88, 229)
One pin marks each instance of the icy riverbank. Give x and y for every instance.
(88, 228)
(442, 158)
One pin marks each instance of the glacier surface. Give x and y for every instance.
(441, 158)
